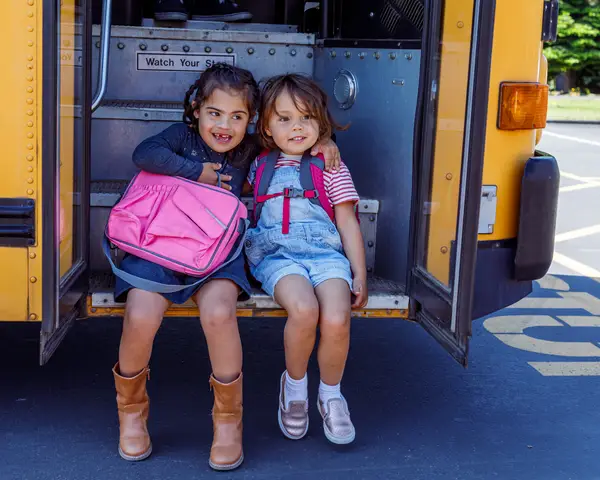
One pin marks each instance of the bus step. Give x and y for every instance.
(386, 299)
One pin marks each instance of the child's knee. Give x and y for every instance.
(335, 323)
(142, 318)
(304, 311)
(217, 315)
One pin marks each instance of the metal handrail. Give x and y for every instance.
(104, 50)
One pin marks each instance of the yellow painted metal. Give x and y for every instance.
(69, 115)
(19, 135)
(13, 284)
(452, 91)
(516, 57)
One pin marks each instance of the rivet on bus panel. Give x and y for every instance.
(29, 158)
(361, 55)
(164, 47)
(448, 176)
(29, 101)
(460, 24)
(333, 54)
(30, 169)
(377, 55)
(33, 316)
(30, 135)
(347, 54)
(30, 44)
(271, 51)
(30, 14)
(32, 255)
(229, 50)
(444, 249)
(30, 78)
(250, 51)
(120, 46)
(30, 58)
(30, 66)
(30, 29)
(30, 180)
(207, 49)
(29, 146)
(29, 89)
(392, 56)
(30, 192)
(33, 279)
(186, 48)
(30, 112)
(293, 53)
(30, 2)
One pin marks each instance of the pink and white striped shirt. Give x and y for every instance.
(338, 185)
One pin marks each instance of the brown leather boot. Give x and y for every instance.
(226, 452)
(133, 404)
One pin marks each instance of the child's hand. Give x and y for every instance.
(359, 289)
(330, 152)
(211, 177)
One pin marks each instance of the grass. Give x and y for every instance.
(566, 107)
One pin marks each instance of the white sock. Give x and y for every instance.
(295, 390)
(327, 392)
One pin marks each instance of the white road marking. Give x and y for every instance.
(550, 282)
(518, 323)
(573, 139)
(578, 321)
(567, 369)
(580, 186)
(581, 232)
(579, 178)
(577, 267)
(568, 301)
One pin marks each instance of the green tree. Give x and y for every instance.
(577, 49)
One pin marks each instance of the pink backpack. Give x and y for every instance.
(311, 180)
(180, 224)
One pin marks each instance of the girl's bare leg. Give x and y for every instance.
(296, 294)
(334, 325)
(143, 315)
(217, 303)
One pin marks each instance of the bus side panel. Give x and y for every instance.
(19, 135)
(13, 284)
(516, 57)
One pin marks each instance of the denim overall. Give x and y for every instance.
(312, 248)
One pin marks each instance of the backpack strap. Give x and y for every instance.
(311, 179)
(262, 180)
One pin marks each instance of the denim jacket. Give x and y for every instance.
(180, 151)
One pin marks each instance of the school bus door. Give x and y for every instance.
(65, 121)
(449, 147)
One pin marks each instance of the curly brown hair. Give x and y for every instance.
(308, 98)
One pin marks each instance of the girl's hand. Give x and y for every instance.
(359, 289)
(211, 177)
(330, 152)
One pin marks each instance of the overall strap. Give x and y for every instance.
(266, 166)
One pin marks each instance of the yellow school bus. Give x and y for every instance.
(446, 99)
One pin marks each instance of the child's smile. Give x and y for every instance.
(222, 120)
(293, 129)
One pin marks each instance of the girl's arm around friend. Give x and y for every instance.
(354, 247)
(162, 154)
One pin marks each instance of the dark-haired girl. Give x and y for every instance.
(210, 143)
